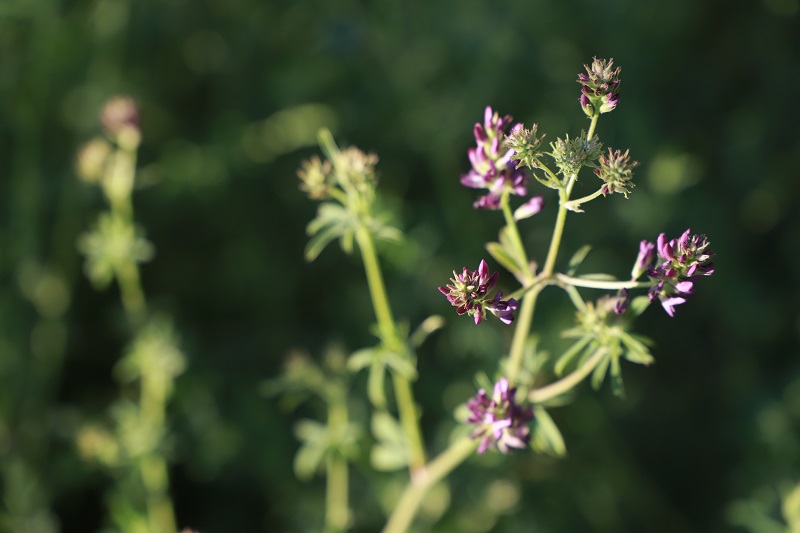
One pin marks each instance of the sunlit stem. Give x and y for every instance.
(386, 326)
(337, 510)
(602, 284)
(568, 382)
(572, 205)
(525, 316)
(153, 467)
(408, 506)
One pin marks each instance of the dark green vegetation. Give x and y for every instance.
(708, 106)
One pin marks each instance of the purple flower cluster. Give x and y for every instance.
(680, 263)
(499, 419)
(493, 167)
(469, 293)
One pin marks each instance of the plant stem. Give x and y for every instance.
(572, 205)
(563, 385)
(406, 407)
(406, 509)
(153, 467)
(592, 127)
(602, 284)
(523, 321)
(337, 510)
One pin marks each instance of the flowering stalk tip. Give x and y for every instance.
(600, 87)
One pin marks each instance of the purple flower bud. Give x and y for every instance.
(529, 208)
(647, 251)
(504, 310)
(621, 305)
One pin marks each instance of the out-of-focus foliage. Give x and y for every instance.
(231, 94)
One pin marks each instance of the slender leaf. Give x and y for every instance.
(570, 355)
(600, 372)
(577, 259)
(375, 384)
(617, 387)
(545, 435)
(502, 256)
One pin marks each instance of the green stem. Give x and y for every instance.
(592, 126)
(406, 407)
(131, 294)
(337, 510)
(568, 382)
(524, 321)
(406, 509)
(153, 467)
(601, 284)
(572, 205)
(558, 231)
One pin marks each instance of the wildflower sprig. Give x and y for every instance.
(502, 162)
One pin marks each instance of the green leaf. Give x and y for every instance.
(401, 364)
(360, 359)
(502, 256)
(577, 259)
(428, 326)
(307, 460)
(390, 452)
(637, 351)
(319, 241)
(600, 372)
(545, 436)
(639, 304)
(386, 458)
(570, 355)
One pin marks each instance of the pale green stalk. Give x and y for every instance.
(408, 505)
(154, 387)
(602, 284)
(563, 385)
(406, 407)
(337, 510)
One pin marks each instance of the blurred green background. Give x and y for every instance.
(232, 93)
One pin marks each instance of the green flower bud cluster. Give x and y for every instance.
(572, 154)
(616, 170)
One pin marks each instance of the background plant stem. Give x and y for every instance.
(406, 407)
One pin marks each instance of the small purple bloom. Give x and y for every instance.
(470, 291)
(680, 263)
(499, 419)
(493, 167)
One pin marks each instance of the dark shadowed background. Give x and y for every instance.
(232, 93)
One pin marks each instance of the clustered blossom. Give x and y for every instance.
(526, 145)
(493, 167)
(680, 263)
(616, 171)
(470, 292)
(600, 91)
(500, 420)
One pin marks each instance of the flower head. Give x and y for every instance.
(493, 167)
(600, 91)
(315, 178)
(616, 170)
(470, 292)
(499, 419)
(526, 145)
(682, 262)
(120, 118)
